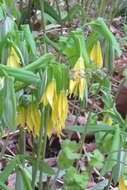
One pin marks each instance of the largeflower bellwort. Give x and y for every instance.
(78, 83)
(59, 107)
(13, 59)
(96, 55)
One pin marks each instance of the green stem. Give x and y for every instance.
(22, 140)
(41, 2)
(68, 9)
(103, 7)
(114, 10)
(54, 180)
(29, 12)
(4, 147)
(83, 136)
(58, 8)
(88, 4)
(43, 149)
(21, 151)
(35, 167)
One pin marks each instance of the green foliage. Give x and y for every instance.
(68, 154)
(97, 159)
(74, 180)
(113, 156)
(28, 84)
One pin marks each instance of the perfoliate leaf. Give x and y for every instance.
(100, 27)
(29, 38)
(113, 156)
(9, 114)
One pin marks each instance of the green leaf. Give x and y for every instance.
(100, 27)
(3, 186)
(46, 168)
(97, 159)
(29, 38)
(6, 27)
(9, 114)
(8, 170)
(92, 39)
(51, 20)
(90, 128)
(1, 96)
(68, 154)
(75, 181)
(113, 156)
(1, 12)
(53, 44)
(19, 181)
(74, 46)
(19, 74)
(39, 63)
(101, 185)
(49, 10)
(73, 13)
(110, 57)
(42, 85)
(25, 176)
(65, 80)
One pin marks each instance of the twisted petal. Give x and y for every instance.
(96, 55)
(50, 93)
(77, 86)
(13, 59)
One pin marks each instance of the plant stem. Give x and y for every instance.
(58, 8)
(21, 151)
(43, 149)
(4, 147)
(35, 167)
(102, 7)
(22, 141)
(68, 9)
(114, 10)
(43, 25)
(54, 180)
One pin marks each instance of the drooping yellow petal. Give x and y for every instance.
(50, 128)
(78, 84)
(96, 55)
(13, 59)
(62, 109)
(49, 94)
(29, 116)
(59, 114)
(21, 117)
(72, 86)
(122, 183)
(35, 119)
(82, 86)
(29, 122)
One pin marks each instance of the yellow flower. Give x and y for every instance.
(21, 117)
(59, 108)
(49, 94)
(78, 84)
(107, 120)
(59, 114)
(13, 59)
(30, 116)
(96, 55)
(62, 109)
(122, 183)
